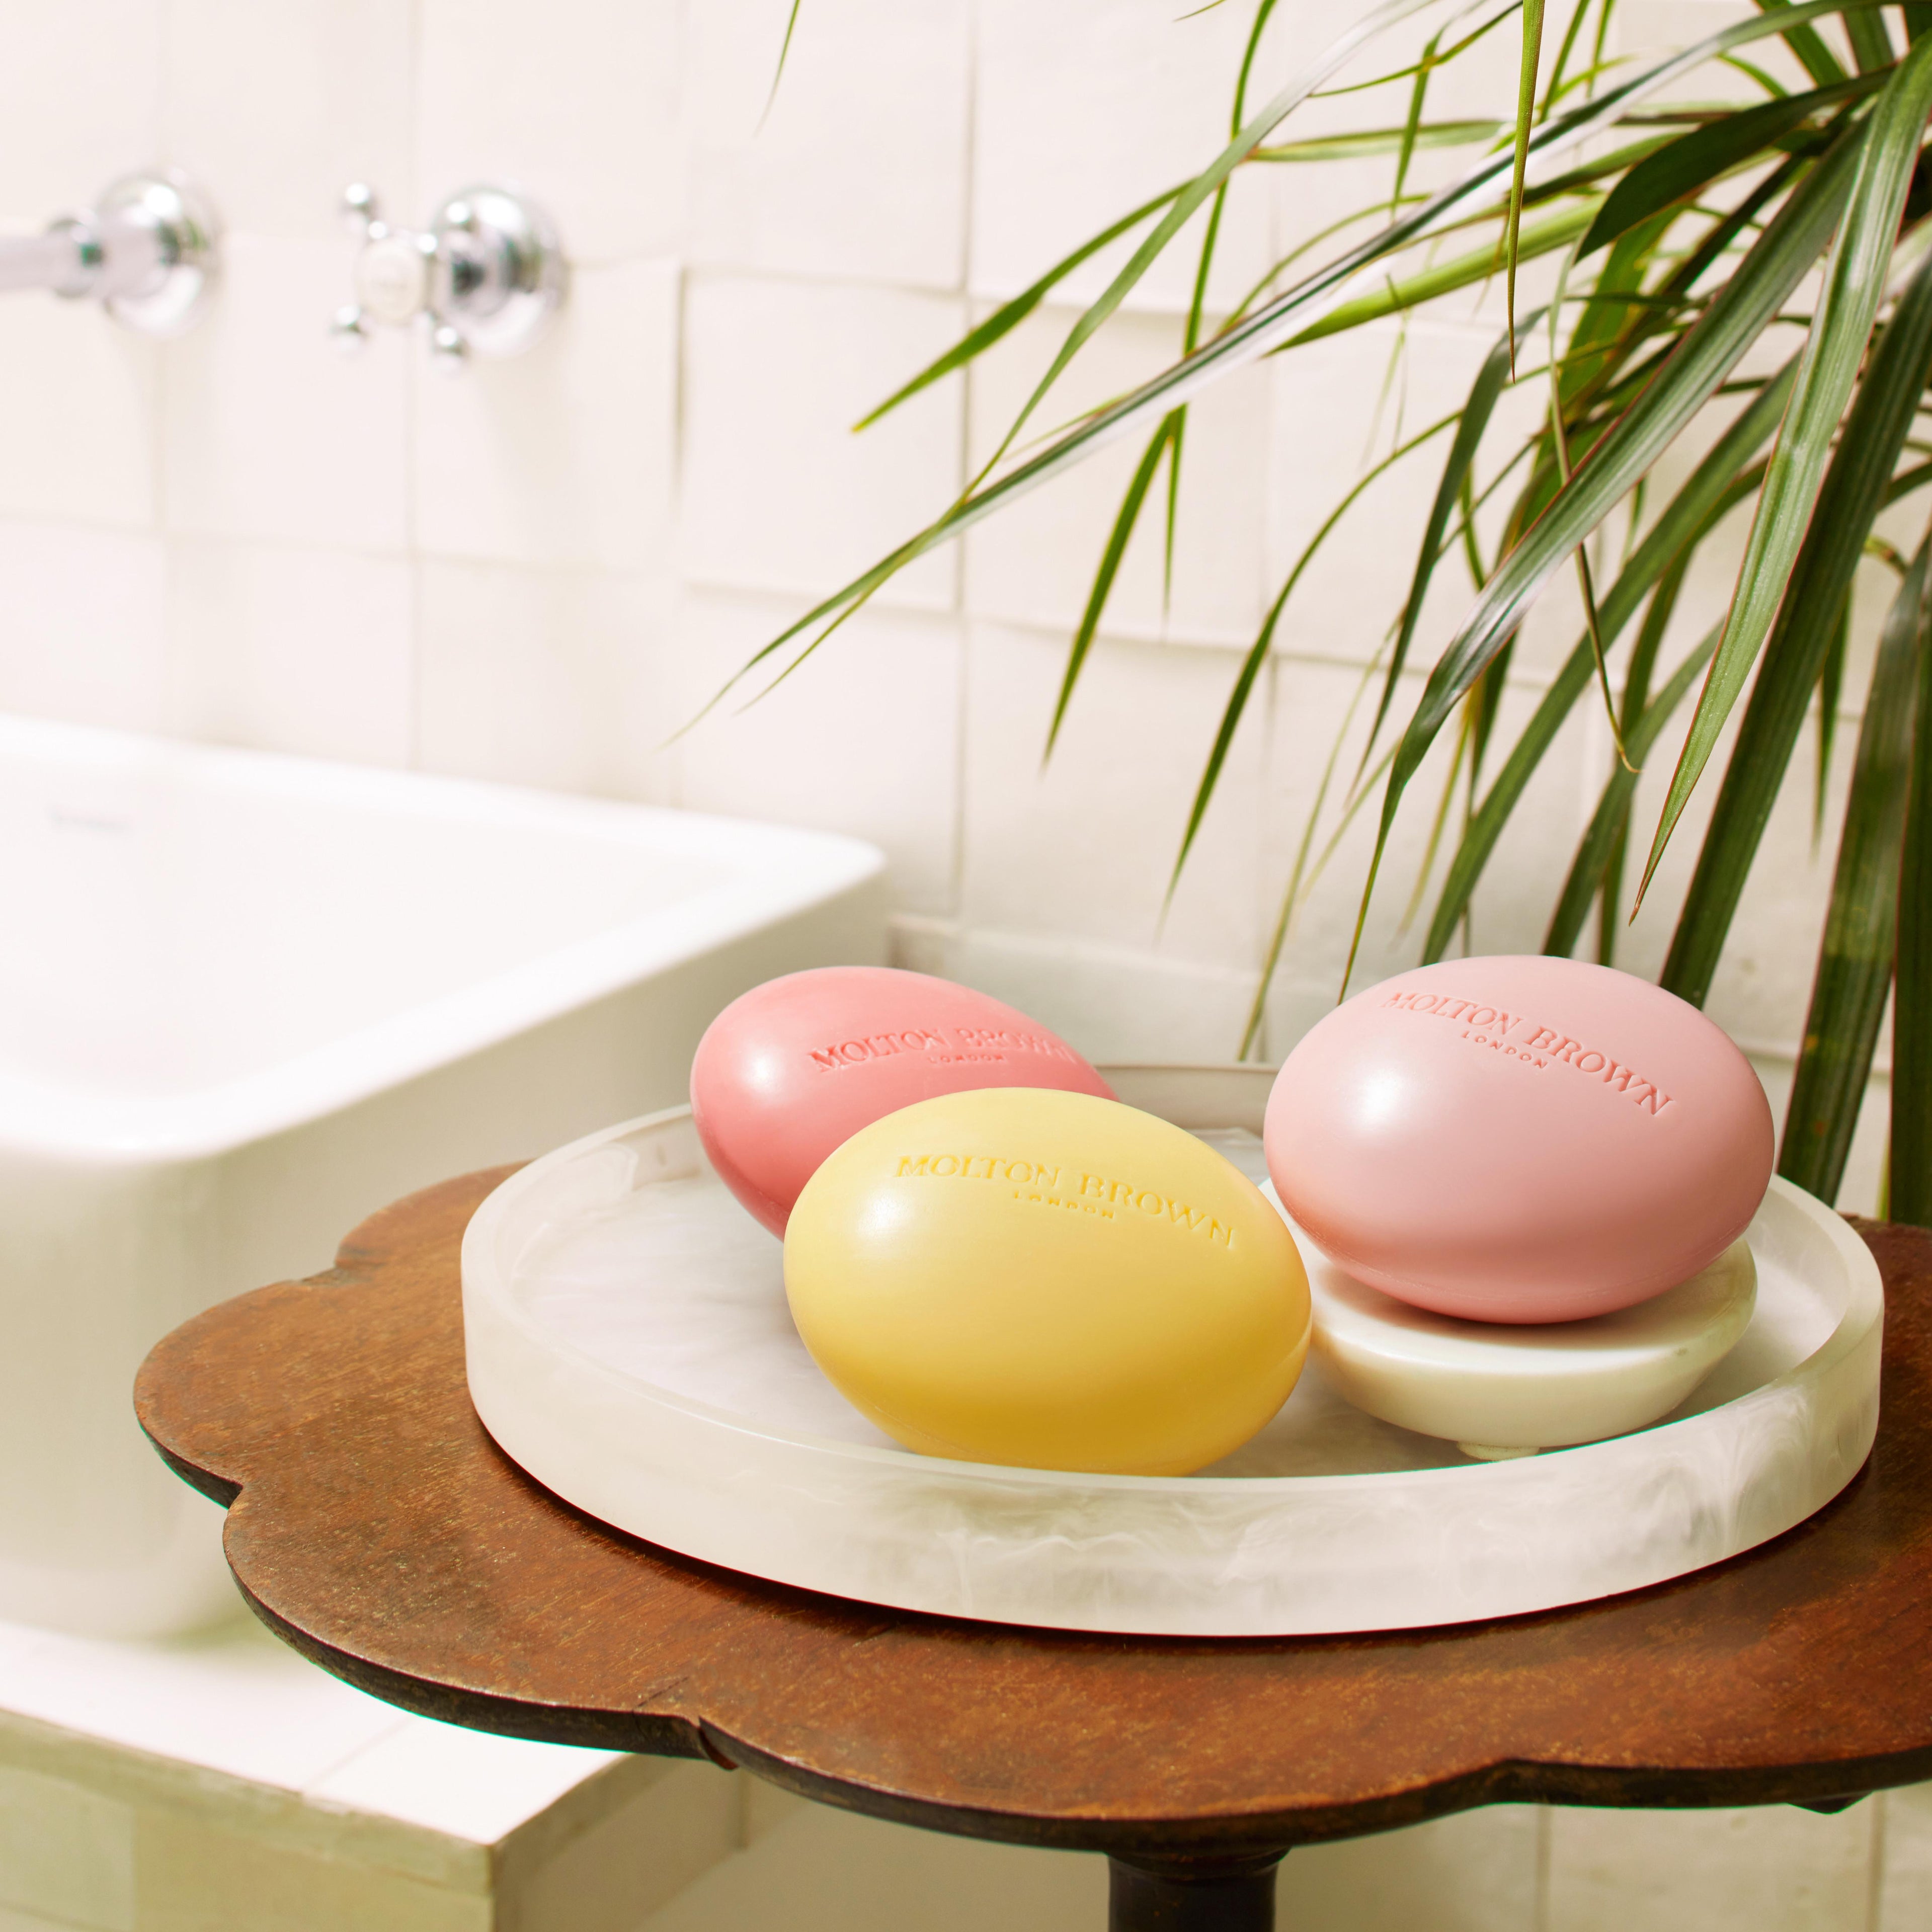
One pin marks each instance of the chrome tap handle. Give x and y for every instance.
(484, 277)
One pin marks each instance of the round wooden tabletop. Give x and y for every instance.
(376, 1527)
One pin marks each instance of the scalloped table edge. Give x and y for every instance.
(1234, 1832)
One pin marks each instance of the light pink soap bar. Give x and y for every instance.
(1519, 1138)
(799, 1065)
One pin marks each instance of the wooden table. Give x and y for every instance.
(375, 1526)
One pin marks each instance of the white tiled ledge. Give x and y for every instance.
(231, 1742)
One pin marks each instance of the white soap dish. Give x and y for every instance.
(628, 1344)
(1498, 1390)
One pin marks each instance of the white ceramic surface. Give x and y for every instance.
(249, 1000)
(1498, 1389)
(628, 1344)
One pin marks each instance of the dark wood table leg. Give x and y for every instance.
(1209, 1894)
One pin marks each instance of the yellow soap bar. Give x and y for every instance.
(1020, 1275)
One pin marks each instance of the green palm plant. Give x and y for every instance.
(1682, 233)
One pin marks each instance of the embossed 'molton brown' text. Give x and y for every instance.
(1079, 1192)
(965, 1043)
(1540, 1046)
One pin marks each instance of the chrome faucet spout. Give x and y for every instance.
(67, 259)
(146, 253)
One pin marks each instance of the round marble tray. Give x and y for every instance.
(629, 1345)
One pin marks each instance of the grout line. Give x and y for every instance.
(1875, 1878)
(1545, 1834)
(412, 462)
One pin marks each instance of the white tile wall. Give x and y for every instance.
(270, 432)
(539, 571)
(564, 455)
(859, 169)
(779, 493)
(292, 649)
(277, 157)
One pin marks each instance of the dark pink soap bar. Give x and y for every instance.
(799, 1065)
(1519, 1139)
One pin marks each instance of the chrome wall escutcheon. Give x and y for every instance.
(484, 277)
(146, 252)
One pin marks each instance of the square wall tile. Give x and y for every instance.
(549, 678)
(1084, 109)
(1114, 1004)
(1518, 885)
(1033, 561)
(1339, 407)
(607, 1875)
(83, 414)
(65, 1852)
(779, 493)
(1474, 1872)
(1905, 1865)
(862, 738)
(578, 105)
(565, 454)
(859, 169)
(276, 110)
(1772, 1869)
(84, 639)
(307, 651)
(270, 431)
(1084, 849)
(80, 101)
(824, 1870)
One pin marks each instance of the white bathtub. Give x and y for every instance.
(244, 1000)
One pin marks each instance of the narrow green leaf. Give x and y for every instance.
(1482, 707)
(1636, 696)
(1834, 349)
(1254, 334)
(1398, 294)
(1911, 1154)
(1470, 424)
(1707, 353)
(778, 72)
(1198, 191)
(1692, 161)
(1258, 652)
(1816, 563)
(1871, 45)
(1487, 822)
(1010, 314)
(1367, 142)
(1525, 114)
(1713, 489)
(1855, 957)
(1830, 688)
(1418, 93)
(1594, 851)
(1804, 41)
(1564, 49)
(1109, 569)
(1443, 806)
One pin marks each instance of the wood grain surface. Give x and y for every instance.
(375, 1526)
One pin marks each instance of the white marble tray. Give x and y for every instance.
(629, 1345)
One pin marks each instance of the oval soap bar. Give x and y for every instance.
(788, 1071)
(1050, 1280)
(1519, 1138)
